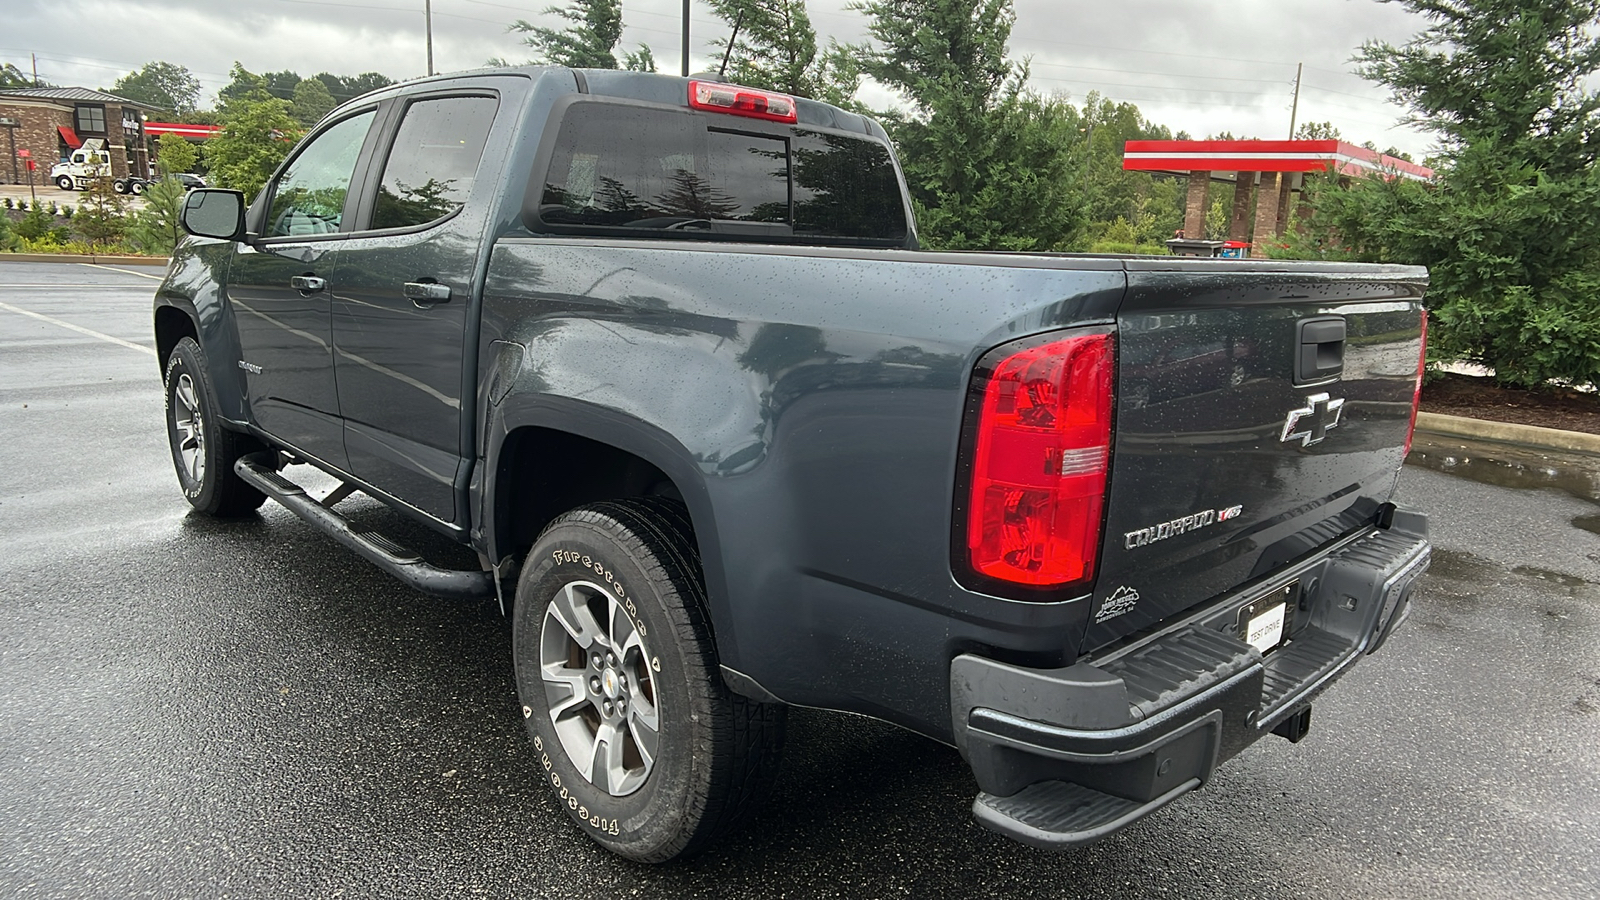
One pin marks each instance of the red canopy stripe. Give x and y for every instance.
(1266, 156)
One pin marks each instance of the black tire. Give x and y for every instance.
(716, 753)
(195, 433)
(64, 182)
(136, 188)
(120, 186)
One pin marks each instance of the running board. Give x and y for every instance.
(259, 470)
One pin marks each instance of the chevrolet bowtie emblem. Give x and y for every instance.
(1310, 423)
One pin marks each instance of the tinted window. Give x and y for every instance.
(624, 167)
(310, 195)
(92, 119)
(434, 160)
(754, 173)
(843, 187)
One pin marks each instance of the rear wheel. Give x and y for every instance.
(642, 743)
(203, 452)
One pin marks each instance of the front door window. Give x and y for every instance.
(310, 196)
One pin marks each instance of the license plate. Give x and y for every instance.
(1264, 623)
(1265, 629)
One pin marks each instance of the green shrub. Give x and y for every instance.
(10, 204)
(1128, 248)
(38, 224)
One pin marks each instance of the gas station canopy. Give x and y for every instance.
(1341, 157)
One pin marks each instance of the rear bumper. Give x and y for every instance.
(1064, 757)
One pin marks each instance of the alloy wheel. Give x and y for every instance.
(599, 687)
(190, 428)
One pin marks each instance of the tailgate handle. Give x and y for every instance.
(1321, 349)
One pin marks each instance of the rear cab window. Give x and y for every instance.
(639, 171)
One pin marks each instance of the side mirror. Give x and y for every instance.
(212, 213)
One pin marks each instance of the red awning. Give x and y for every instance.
(70, 136)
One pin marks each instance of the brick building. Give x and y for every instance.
(52, 122)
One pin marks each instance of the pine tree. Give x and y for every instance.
(772, 45)
(588, 43)
(1511, 232)
(984, 158)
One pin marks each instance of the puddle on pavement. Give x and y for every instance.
(1469, 568)
(1463, 566)
(1560, 578)
(1520, 468)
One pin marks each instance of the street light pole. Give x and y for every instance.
(686, 38)
(427, 13)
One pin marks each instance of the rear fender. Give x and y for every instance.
(624, 387)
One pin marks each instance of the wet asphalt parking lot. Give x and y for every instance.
(191, 708)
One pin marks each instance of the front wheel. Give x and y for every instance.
(642, 743)
(203, 452)
(64, 182)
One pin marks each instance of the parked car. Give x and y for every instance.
(190, 181)
(665, 354)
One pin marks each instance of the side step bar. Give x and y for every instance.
(259, 470)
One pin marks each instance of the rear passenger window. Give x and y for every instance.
(434, 160)
(651, 171)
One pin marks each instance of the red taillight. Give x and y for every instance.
(1416, 392)
(1039, 462)
(742, 101)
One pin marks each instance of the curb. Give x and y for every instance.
(78, 258)
(1509, 433)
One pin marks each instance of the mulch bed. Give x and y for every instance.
(1480, 398)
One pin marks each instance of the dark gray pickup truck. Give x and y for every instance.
(665, 354)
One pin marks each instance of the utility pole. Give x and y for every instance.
(427, 13)
(686, 38)
(35, 58)
(1295, 109)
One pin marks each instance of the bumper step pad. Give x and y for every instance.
(1060, 814)
(1064, 757)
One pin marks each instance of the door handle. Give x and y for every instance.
(309, 284)
(426, 293)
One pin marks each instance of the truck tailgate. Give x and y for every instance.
(1261, 412)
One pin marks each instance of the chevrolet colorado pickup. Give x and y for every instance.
(665, 354)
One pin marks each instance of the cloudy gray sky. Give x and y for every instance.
(1194, 66)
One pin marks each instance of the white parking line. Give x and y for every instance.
(123, 271)
(78, 328)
